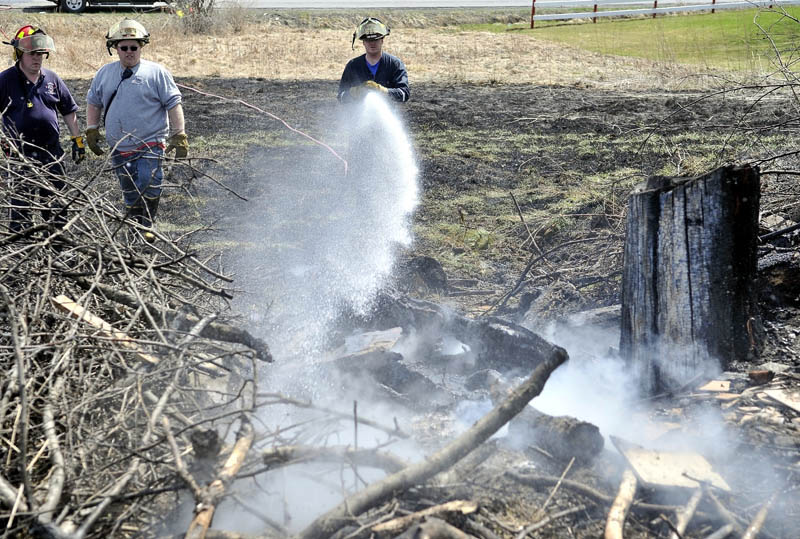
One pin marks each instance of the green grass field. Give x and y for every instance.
(729, 40)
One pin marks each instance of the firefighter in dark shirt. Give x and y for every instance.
(374, 70)
(31, 98)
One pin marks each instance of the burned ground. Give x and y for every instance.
(568, 155)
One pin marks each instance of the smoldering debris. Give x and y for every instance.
(138, 383)
(693, 425)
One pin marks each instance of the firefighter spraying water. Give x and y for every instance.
(333, 239)
(375, 70)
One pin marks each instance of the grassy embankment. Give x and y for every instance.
(729, 39)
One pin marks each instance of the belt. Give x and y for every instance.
(145, 146)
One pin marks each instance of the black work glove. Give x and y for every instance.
(78, 149)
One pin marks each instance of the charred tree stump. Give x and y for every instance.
(688, 293)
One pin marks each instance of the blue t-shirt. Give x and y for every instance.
(373, 68)
(31, 110)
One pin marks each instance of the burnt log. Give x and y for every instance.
(494, 343)
(688, 295)
(387, 369)
(564, 437)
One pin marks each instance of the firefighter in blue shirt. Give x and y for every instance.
(374, 70)
(31, 98)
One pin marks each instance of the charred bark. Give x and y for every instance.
(564, 437)
(495, 343)
(688, 295)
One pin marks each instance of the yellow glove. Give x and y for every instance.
(358, 92)
(180, 143)
(93, 140)
(372, 85)
(78, 149)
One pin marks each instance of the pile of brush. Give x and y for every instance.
(108, 346)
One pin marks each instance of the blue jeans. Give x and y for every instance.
(139, 174)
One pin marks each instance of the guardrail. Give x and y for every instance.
(654, 10)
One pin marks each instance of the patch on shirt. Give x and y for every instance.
(50, 88)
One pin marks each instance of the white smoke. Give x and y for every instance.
(325, 239)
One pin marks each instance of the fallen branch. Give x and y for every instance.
(722, 510)
(537, 481)
(215, 330)
(555, 488)
(758, 521)
(55, 483)
(325, 525)
(685, 515)
(548, 519)
(464, 507)
(9, 495)
(23, 397)
(721, 533)
(78, 311)
(778, 233)
(212, 495)
(619, 509)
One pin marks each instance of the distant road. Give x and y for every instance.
(380, 3)
(25, 4)
(307, 4)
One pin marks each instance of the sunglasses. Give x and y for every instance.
(126, 48)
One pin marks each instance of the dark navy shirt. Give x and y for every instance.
(391, 73)
(38, 123)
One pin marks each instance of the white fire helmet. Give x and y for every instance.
(124, 30)
(370, 28)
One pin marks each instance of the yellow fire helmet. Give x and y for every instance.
(126, 29)
(31, 39)
(370, 28)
